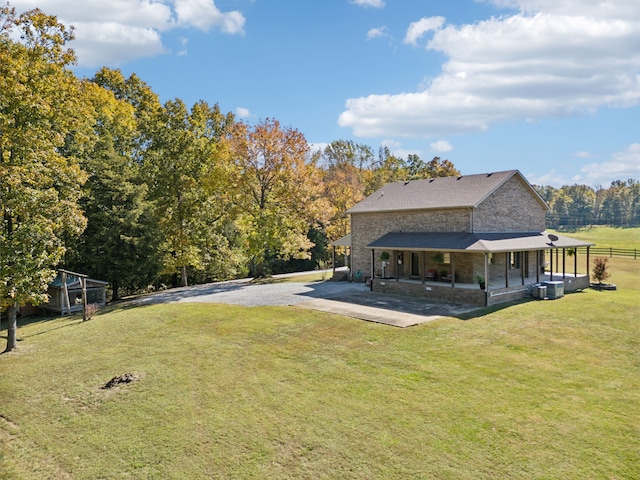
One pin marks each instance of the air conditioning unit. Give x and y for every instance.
(555, 289)
(539, 291)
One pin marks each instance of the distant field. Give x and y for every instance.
(536, 390)
(608, 236)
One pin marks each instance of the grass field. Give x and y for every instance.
(540, 389)
(616, 237)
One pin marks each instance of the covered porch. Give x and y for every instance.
(474, 268)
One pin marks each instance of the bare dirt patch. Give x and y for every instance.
(125, 378)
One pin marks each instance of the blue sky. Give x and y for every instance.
(550, 87)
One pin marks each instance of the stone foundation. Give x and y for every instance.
(468, 294)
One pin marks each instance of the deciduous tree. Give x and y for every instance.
(41, 103)
(190, 177)
(345, 172)
(119, 243)
(280, 190)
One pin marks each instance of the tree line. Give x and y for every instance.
(574, 206)
(97, 176)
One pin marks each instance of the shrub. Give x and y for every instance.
(92, 309)
(600, 272)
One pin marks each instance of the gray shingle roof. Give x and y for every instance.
(475, 242)
(435, 193)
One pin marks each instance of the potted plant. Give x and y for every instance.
(480, 280)
(438, 258)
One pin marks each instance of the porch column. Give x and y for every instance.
(65, 292)
(537, 266)
(395, 265)
(422, 265)
(551, 264)
(486, 279)
(564, 262)
(523, 262)
(452, 257)
(506, 269)
(575, 263)
(373, 264)
(588, 254)
(83, 282)
(333, 260)
(486, 271)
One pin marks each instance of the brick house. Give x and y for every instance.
(475, 239)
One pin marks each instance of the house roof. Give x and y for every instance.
(465, 191)
(475, 242)
(73, 280)
(343, 241)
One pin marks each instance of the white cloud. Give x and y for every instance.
(564, 58)
(622, 166)
(551, 178)
(392, 144)
(441, 146)
(583, 154)
(112, 32)
(417, 29)
(243, 112)
(203, 14)
(380, 32)
(368, 3)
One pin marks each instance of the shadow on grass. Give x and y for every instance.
(72, 320)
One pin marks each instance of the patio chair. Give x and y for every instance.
(430, 275)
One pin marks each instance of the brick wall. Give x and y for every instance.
(367, 227)
(511, 208)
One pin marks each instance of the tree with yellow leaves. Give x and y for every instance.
(280, 192)
(41, 105)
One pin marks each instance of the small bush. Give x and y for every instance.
(600, 273)
(92, 309)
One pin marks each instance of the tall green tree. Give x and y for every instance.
(119, 243)
(41, 103)
(582, 205)
(388, 168)
(190, 177)
(418, 168)
(281, 192)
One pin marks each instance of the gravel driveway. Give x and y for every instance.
(243, 292)
(345, 298)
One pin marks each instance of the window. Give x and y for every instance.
(446, 258)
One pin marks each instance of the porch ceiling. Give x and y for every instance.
(475, 242)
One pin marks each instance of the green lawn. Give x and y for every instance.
(541, 389)
(616, 237)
